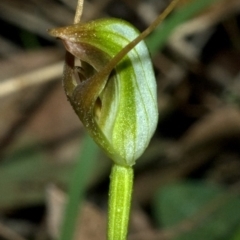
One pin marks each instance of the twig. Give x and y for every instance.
(79, 10)
(38, 76)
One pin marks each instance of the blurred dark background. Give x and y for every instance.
(187, 183)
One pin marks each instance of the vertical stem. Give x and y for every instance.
(121, 182)
(79, 10)
(68, 83)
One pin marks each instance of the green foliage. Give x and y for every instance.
(80, 177)
(186, 200)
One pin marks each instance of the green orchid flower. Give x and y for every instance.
(117, 106)
(114, 95)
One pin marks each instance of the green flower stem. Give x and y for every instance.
(121, 182)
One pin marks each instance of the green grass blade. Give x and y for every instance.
(84, 168)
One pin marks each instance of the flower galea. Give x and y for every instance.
(118, 107)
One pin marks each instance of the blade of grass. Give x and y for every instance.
(159, 37)
(83, 170)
